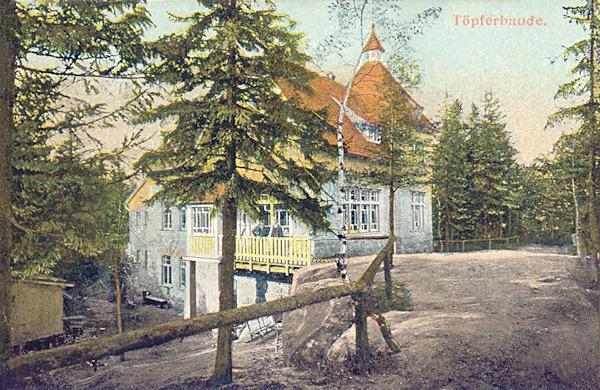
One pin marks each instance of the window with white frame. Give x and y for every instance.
(146, 258)
(182, 220)
(137, 218)
(167, 220)
(166, 271)
(361, 209)
(201, 223)
(418, 209)
(146, 218)
(182, 279)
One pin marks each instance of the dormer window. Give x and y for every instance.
(371, 132)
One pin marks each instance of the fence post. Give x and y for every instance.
(387, 274)
(463, 245)
(362, 337)
(489, 243)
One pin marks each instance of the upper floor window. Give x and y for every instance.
(361, 209)
(167, 220)
(146, 217)
(418, 209)
(138, 217)
(166, 271)
(201, 223)
(182, 216)
(146, 258)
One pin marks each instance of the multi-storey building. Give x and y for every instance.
(177, 250)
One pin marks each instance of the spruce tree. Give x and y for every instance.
(235, 136)
(65, 51)
(492, 171)
(584, 85)
(450, 176)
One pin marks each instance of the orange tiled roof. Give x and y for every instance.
(364, 99)
(327, 94)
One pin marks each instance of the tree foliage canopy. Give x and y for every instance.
(66, 187)
(235, 135)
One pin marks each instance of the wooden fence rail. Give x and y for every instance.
(31, 363)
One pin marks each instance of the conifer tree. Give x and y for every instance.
(53, 54)
(60, 169)
(7, 77)
(584, 84)
(492, 170)
(235, 136)
(450, 175)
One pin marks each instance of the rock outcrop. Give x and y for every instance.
(323, 334)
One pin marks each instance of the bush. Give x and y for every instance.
(400, 300)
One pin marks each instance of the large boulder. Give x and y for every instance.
(309, 333)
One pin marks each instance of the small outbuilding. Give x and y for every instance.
(37, 310)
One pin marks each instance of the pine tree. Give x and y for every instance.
(235, 136)
(450, 176)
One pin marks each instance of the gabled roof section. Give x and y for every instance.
(373, 42)
(142, 193)
(327, 96)
(364, 103)
(366, 96)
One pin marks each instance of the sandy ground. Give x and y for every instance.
(481, 320)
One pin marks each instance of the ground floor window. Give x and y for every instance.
(167, 220)
(182, 221)
(418, 209)
(166, 271)
(360, 207)
(182, 279)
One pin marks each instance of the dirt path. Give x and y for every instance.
(501, 319)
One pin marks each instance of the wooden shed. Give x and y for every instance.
(37, 310)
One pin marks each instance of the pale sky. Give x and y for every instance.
(463, 60)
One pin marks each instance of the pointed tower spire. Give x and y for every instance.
(373, 42)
